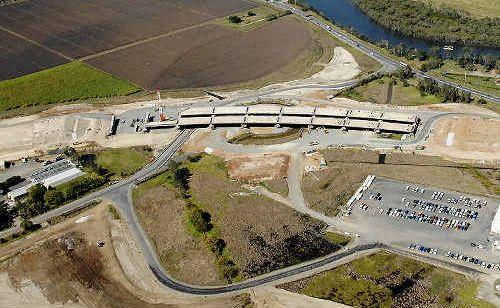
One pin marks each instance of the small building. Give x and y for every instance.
(495, 224)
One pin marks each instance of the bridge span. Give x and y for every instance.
(293, 116)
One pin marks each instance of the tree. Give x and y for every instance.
(201, 220)
(36, 195)
(217, 245)
(234, 19)
(54, 198)
(6, 216)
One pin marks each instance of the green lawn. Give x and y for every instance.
(63, 83)
(376, 92)
(123, 162)
(384, 279)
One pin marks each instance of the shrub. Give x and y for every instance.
(234, 19)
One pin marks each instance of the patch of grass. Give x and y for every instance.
(337, 238)
(376, 92)
(114, 212)
(123, 161)
(489, 184)
(266, 139)
(386, 279)
(64, 83)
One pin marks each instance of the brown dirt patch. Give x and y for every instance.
(161, 212)
(469, 138)
(326, 190)
(211, 55)
(256, 168)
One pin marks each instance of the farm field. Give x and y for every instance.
(67, 82)
(211, 55)
(23, 57)
(73, 29)
(390, 280)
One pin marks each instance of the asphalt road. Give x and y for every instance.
(389, 64)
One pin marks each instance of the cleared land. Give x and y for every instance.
(63, 83)
(258, 167)
(391, 280)
(469, 138)
(377, 91)
(215, 56)
(327, 190)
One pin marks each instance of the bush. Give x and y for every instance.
(28, 225)
(234, 19)
(250, 13)
(201, 220)
(271, 17)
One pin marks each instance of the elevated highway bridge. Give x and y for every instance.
(293, 116)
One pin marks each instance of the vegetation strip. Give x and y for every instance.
(64, 83)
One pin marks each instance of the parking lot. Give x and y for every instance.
(440, 222)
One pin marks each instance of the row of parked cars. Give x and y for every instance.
(443, 209)
(421, 217)
(484, 264)
(421, 248)
(415, 189)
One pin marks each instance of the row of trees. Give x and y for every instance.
(200, 220)
(40, 199)
(446, 92)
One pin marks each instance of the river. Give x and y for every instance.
(347, 14)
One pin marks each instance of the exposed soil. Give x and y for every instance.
(258, 167)
(467, 138)
(210, 55)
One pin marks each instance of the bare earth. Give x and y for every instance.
(467, 138)
(258, 167)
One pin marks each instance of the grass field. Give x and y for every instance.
(63, 83)
(390, 280)
(123, 161)
(376, 92)
(476, 8)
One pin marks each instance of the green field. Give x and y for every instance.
(123, 162)
(68, 82)
(376, 92)
(386, 279)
